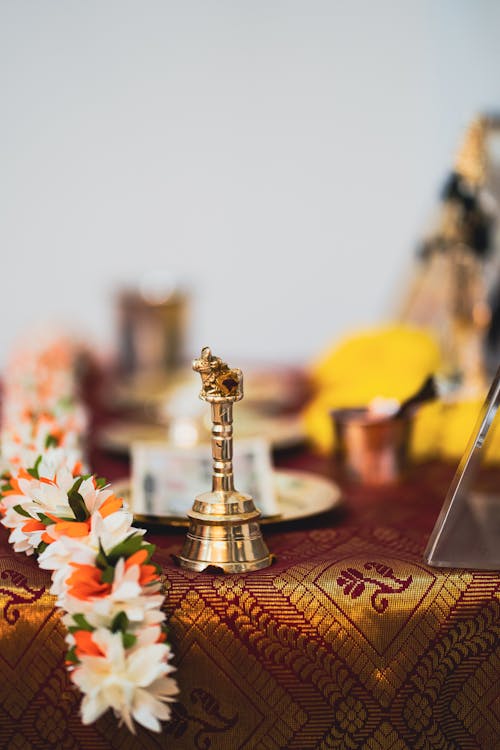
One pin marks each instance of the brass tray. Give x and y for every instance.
(299, 494)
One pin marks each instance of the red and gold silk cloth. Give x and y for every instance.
(348, 641)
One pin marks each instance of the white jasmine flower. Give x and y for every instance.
(133, 683)
(26, 542)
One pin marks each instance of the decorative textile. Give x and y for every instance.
(348, 641)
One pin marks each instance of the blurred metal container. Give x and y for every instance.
(373, 449)
(152, 331)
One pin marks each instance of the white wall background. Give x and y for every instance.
(280, 156)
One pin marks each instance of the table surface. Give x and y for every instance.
(347, 641)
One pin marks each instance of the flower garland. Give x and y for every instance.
(102, 573)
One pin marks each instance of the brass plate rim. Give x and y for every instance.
(331, 499)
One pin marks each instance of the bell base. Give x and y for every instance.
(200, 566)
(224, 535)
(224, 548)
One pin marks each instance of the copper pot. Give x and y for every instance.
(373, 449)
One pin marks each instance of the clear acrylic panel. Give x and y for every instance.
(467, 531)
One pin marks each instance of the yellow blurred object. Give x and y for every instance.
(426, 437)
(318, 424)
(442, 430)
(392, 362)
(389, 361)
(457, 423)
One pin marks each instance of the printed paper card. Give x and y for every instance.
(166, 479)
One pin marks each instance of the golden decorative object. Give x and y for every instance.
(224, 533)
(470, 161)
(451, 290)
(152, 331)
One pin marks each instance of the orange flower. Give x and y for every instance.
(86, 582)
(73, 529)
(148, 573)
(58, 435)
(85, 646)
(110, 505)
(16, 490)
(33, 525)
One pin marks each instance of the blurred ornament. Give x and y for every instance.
(451, 288)
(152, 328)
